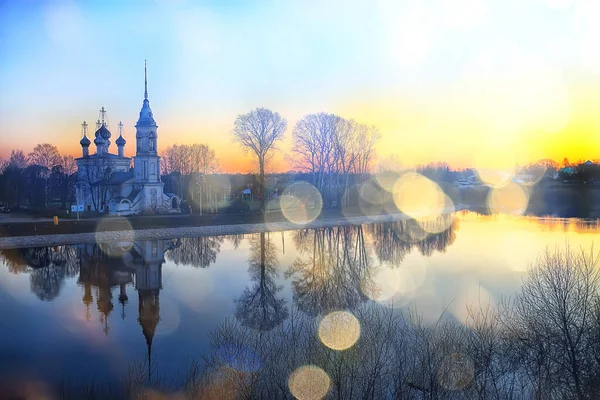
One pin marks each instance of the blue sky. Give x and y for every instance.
(404, 66)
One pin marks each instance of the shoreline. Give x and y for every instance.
(11, 242)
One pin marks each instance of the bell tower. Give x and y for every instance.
(146, 163)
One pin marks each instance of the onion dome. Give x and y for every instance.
(98, 141)
(85, 142)
(120, 141)
(103, 132)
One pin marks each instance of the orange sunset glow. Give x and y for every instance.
(506, 82)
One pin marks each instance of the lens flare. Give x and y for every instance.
(418, 197)
(239, 357)
(496, 177)
(170, 318)
(510, 199)
(339, 330)
(438, 224)
(370, 199)
(495, 164)
(530, 177)
(412, 275)
(384, 285)
(387, 179)
(456, 371)
(114, 235)
(224, 383)
(410, 231)
(309, 383)
(301, 203)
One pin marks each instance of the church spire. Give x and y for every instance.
(146, 118)
(145, 81)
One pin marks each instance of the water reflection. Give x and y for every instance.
(335, 267)
(48, 267)
(330, 269)
(199, 252)
(265, 290)
(259, 306)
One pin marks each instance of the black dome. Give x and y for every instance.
(85, 141)
(103, 132)
(120, 141)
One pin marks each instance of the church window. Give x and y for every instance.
(151, 145)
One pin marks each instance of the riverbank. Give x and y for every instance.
(238, 225)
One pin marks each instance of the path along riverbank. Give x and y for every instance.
(193, 231)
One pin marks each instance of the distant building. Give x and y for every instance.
(107, 183)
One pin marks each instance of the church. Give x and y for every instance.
(107, 182)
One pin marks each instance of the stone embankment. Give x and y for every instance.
(192, 231)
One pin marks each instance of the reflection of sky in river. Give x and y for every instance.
(53, 339)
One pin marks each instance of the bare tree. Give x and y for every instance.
(258, 131)
(17, 159)
(64, 176)
(93, 178)
(3, 165)
(332, 149)
(553, 320)
(45, 155)
(189, 159)
(13, 179)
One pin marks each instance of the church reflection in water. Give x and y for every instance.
(330, 270)
(110, 266)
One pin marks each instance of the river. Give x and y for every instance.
(85, 312)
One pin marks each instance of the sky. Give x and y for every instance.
(475, 83)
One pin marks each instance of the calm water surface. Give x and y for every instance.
(88, 310)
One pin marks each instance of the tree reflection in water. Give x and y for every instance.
(259, 307)
(48, 267)
(335, 265)
(199, 252)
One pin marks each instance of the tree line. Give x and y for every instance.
(42, 177)
(337, 152)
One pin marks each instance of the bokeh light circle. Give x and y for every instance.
(496, 177)
(339, 330)
(410, 231)
(384, 284)
(456, 371)
(309, 382)
(370, 199)
(387, 179)
(437, 224)
(301, 203)
(239, 357)
(510, 199)
(170, 318)
(114, 235)
(418, 196)
(532, 176)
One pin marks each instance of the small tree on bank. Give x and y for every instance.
(258, 131)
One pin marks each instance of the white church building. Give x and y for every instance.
(107, 182)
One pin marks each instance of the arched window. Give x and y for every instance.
(151, 144)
